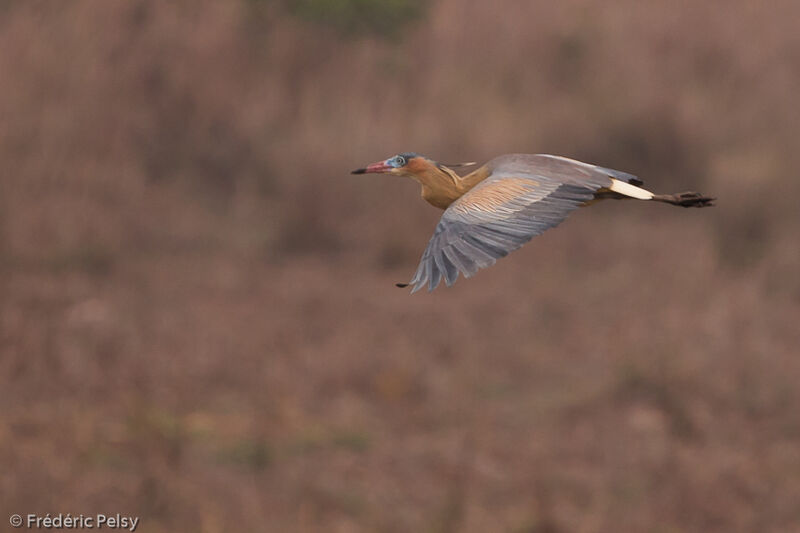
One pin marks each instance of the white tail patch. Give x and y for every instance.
(630, 190)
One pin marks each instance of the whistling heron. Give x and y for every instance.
(503, 204)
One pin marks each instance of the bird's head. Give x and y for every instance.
(405, 164)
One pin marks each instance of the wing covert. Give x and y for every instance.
(496, 217)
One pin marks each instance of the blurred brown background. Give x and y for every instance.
(198, 323)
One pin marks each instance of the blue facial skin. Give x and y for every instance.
(400, 160)
(396, 162)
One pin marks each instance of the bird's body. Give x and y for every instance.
(501, 205)
(441, 186)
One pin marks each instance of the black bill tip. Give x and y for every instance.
(359, 171)
(401, 285)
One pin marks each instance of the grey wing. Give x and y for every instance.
(560, 169)
(501, 214)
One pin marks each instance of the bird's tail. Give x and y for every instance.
(685, 199)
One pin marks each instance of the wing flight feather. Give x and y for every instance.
(523, 196)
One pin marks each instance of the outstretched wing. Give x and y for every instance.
(523, 196)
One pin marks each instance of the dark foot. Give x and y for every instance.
(686, 199)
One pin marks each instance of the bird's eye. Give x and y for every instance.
(400, 161)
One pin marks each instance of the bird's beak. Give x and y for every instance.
(374, 168)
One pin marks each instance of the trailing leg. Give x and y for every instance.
(685, 199)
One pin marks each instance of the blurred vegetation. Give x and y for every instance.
(198, 318)
(357, 17)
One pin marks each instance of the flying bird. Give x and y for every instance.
(503, 204)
